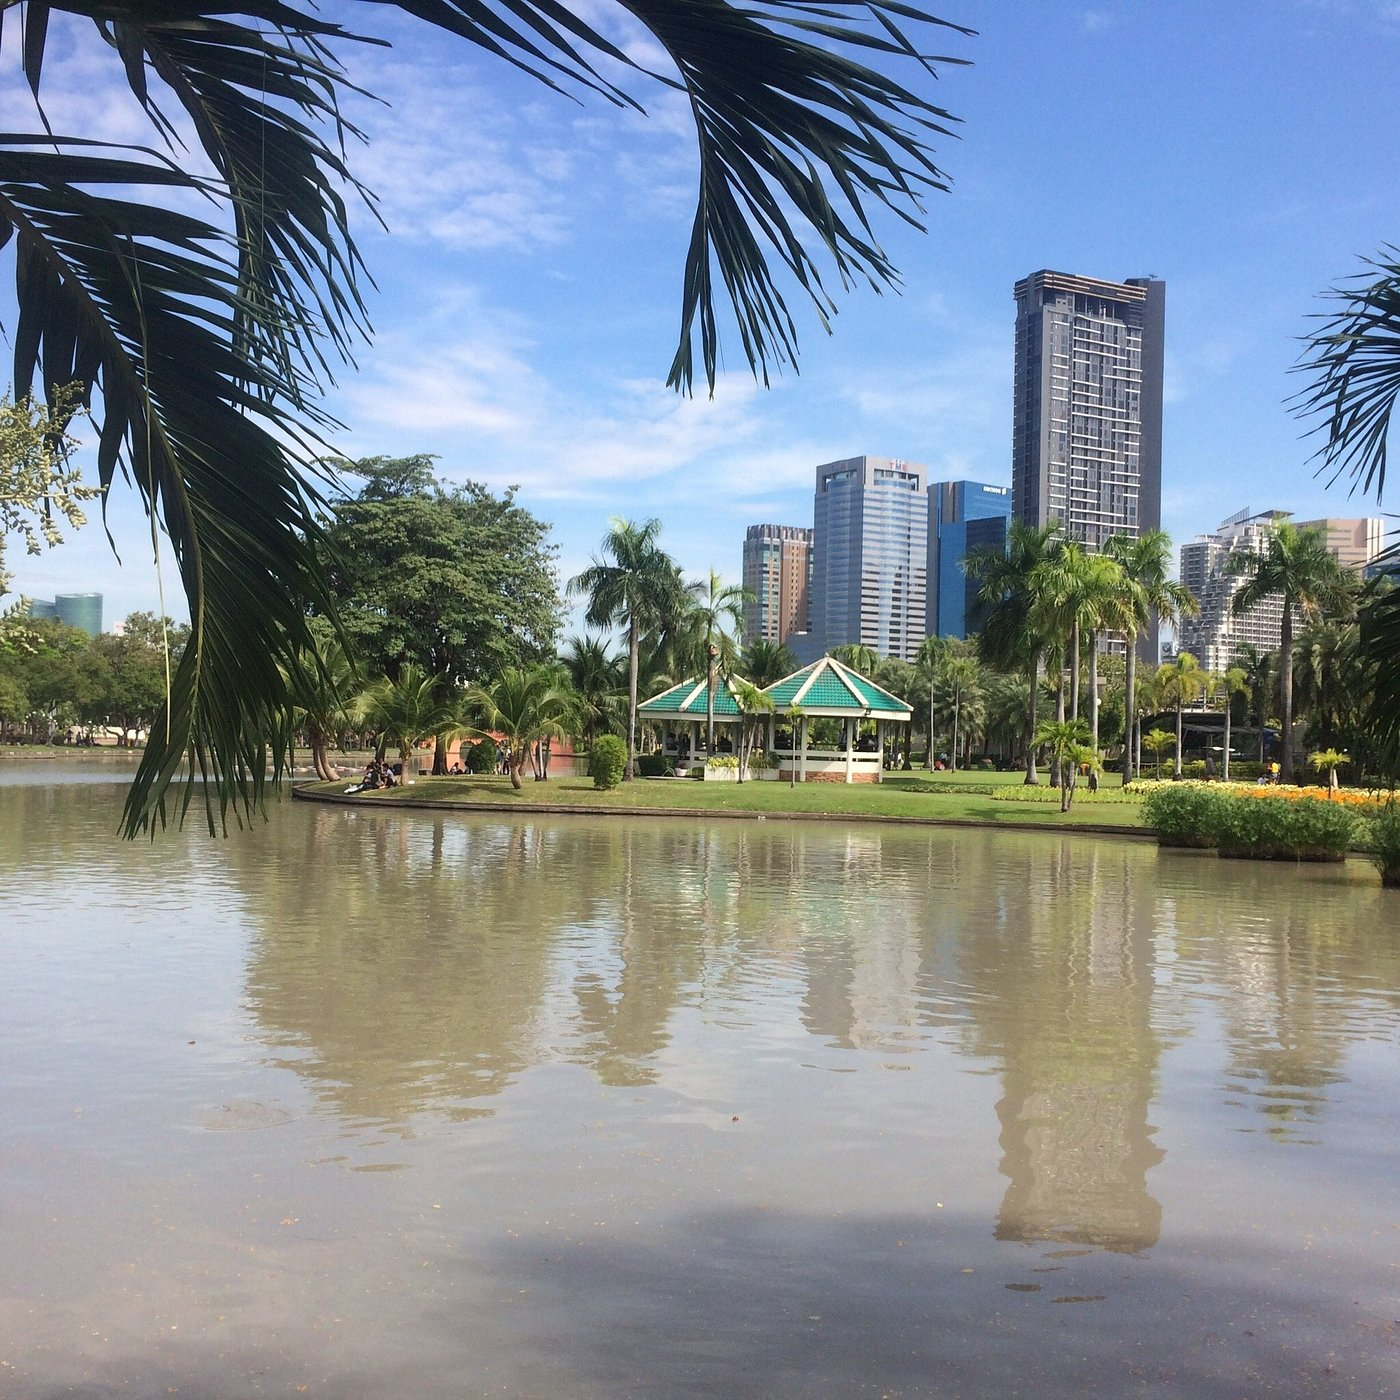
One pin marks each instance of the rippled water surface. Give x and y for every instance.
(356, 1104)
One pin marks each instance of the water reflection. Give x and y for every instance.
(786, 1102)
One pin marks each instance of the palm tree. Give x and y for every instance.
(858, 657)
(1231, 682)
(755, 706)
(524, 706)
(599, 682)
(414, 706)
(962, 676)
(1297, 566)
(639, 589)
(209, 337)
(929, 660)
(765, 662)
(1068, 744)
(1184, 682)
(1261, 676)
(1145, 559)
(1154, 741)
(1353, 361)
(1011, 638)
(714, 604)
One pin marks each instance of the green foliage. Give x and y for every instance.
(457, 581)
(654, 765)
(1185, 814)
(37, 486)
(1382, 843)
(722, 761)
(523, 705)
(482, 756)
(1275, 828)
(607, 760)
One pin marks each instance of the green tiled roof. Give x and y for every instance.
(828, 687)
(687, 700)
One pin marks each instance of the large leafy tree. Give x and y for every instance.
(1297, 566)
(458, 581)
(203, 303)
(633, 584)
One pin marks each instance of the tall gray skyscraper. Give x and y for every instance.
(869, 556)
(1087, 416)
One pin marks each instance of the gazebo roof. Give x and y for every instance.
(687, 701)
(826, 687)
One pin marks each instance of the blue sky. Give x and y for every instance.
(529, 284)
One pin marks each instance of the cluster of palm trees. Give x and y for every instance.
(1048, 606)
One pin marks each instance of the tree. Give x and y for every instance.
(764, 662)
(1145, 559)
(1184, 682)
(208, 336)
(1154, 741)
(1068, 744)
(457, 581)
(408, 708)
(1012, 638)
(963, 678)
(523, 706)
(1261, 675)
(1232, 682)
(858, 657)
(713, 604)
(929, 660)
(1297, 566)
(1353, 365)
(599, 681)
(638, 589)
(1331, 760)
(137, 666)
(36, 482)
(755, 706)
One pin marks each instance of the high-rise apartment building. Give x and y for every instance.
(1215, 636)
(778, 576)
(962, 516)
(869, 557)
(1087, 404)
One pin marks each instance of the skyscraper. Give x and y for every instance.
(962, 516)
(869, 557)
(1087, 411)
(778, 575)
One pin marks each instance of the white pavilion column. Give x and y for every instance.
(802, 752)
(850, 748)
(880, 750)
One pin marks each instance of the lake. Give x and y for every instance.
(391, 1104)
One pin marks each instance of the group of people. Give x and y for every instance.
(378, 774)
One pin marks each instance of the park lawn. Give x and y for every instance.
(916, 796)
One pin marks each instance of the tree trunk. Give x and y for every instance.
(711, 663)
(928, 757)
(1056, 767)
(1225, 764)
(957, 705)
(1130, 711)
(633, 644)
(439, 755)
(1032, 777)
(514, 763)
(318, 753)
(1094, 692)
(1074, 672)
(1176, 763)
(1285, 683)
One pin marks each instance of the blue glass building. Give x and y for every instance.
(962, 516)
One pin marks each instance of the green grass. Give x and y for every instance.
(917, 796)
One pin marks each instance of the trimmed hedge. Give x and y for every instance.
(1251, 828)
(654, 765)
(483, 756)
(1383, 844)
(607, 761)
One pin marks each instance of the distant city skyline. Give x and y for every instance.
(527, 287)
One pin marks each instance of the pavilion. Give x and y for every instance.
(829, 690)
(681, 713)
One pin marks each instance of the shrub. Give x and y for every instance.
(1183, 814)
(722, 760)
(607, 761)
(483, 756)
(1382, 843)
(1304, 830)
(654, 765)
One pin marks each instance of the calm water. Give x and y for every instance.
(355, 1105)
